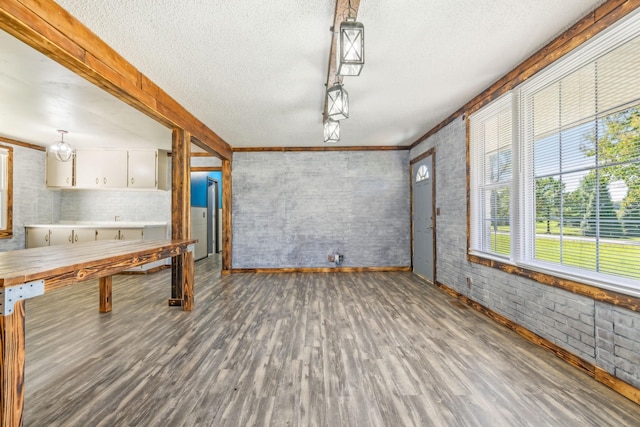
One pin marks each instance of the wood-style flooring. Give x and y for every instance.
(360, 349)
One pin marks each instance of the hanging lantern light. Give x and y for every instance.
(351, 48)
(337, 102)
(331, 130)
(62, 149)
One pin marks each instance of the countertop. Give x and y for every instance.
(100, 224)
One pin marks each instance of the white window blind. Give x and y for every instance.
(4, 160)
(582, 153)
(491, 152)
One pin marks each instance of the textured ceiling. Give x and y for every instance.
(254, 71)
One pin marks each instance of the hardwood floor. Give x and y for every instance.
(354, 349)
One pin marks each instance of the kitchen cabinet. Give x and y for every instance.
(119, 233)
(101, 168)
(37, 237)
(148, 169)
(68, 235)
(59, 174)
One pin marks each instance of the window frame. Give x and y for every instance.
(7, 232)
(621, 290)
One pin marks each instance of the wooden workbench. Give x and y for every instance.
(28, 273)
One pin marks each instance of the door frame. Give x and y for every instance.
(434, 210)
(212, 210)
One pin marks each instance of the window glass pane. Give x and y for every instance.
(619, 76)
(497, 220)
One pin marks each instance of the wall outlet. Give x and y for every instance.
(338, 259)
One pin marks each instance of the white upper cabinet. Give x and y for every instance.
(143, 169)
(101, 168)
(59, 174)
(105, 168)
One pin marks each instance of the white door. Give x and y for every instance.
(423, 218)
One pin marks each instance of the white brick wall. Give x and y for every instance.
(293, 209)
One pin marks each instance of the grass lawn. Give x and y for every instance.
(614, 258)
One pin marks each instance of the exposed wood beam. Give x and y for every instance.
(48, 28)
(227, 234)
(341, 13)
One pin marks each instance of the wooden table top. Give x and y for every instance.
(65, 264)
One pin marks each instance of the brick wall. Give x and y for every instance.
(33, 203)
(293, 209)
(600, 333)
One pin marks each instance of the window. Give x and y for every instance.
(491, 133)
(575, 185)
(423, 173)
(6, 191)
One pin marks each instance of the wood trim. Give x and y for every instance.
(592, 24)
(616, 384)
(51, 30)
(180, 204)
(12, 360)
(423, 156)
(468, 180)
(331, 148)
(199, 154)
(7, 232)
(319, 270)
(227, 232)
(625, 389)
(206, 168)
(599, 294)
(22, 144)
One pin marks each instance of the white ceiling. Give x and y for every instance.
(254, 71)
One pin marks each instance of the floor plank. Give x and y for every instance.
(355, 349)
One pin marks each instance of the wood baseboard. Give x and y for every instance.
(625, 389)
(320, 270)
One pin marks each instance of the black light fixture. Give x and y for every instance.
(351, 46)
(62, 149)
(337, 102)
(331, 130)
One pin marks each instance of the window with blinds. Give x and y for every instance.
(4, 190)
(575, 182)
(491, 151)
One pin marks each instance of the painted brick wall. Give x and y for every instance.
(32, 202)
(104, 205)
(293, 209)
(602, 334)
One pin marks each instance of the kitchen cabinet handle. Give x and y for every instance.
(46, 237)
(204, 215)
(105, 179)
(132, 180)
(70, 237)
(97, 180)
(117, 236)
(76, 238)
(67, 180)
(121, 236)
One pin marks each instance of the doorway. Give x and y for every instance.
(423, 221)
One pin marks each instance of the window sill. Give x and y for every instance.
(597, 293)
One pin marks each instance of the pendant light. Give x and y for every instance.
(331, 130)
(63, 150)
(351, 46)
(337, 102)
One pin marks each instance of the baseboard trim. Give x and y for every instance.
(320, 270)
(625, 389)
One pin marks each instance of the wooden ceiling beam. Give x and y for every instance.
(48, 28)
(341, 13)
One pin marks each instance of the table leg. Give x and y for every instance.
(177, 279)
(12, 366)
(187, 287)
(105, 294)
